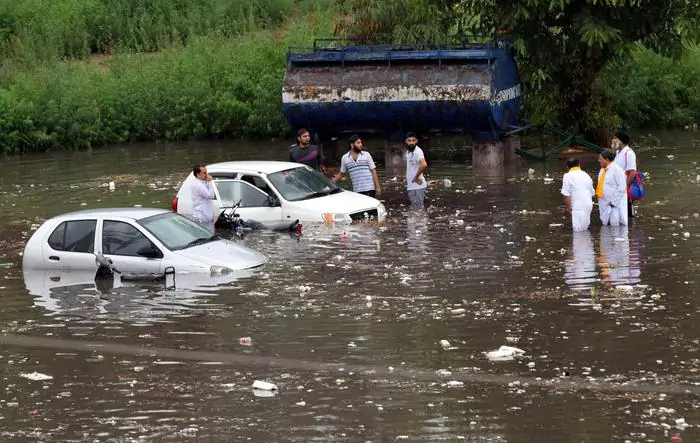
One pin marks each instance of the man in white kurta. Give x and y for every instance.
(578, 192)
(202, 195)
(627, 160)
(611, 191)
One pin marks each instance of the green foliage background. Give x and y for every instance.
(79, 74)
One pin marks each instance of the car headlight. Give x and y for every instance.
(220, 270)
(336, 218)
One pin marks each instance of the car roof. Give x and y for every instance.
(261, 166)
(133, 213)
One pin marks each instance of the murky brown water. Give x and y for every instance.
(348, 323)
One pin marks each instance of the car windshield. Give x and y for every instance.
(176, 231)
(302, 183)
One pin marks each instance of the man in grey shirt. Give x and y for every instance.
(306, 153)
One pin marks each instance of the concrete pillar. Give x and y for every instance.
(394, 157)
(331, 151)
(487, 154)
(510, 144)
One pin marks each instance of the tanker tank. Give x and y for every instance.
(334, 88)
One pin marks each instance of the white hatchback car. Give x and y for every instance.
(273, 191)
(137, 240)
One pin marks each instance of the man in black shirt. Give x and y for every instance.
(304, 152)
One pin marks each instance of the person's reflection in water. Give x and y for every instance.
(580, 268)
(417, 230)
(617, 265)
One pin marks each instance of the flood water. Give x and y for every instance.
(347, 322)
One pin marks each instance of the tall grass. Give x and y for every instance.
(46, 29)
(214, 86)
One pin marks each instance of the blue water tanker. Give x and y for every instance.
(334, 88)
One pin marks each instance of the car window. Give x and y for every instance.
(74, 236)
(223, 175)
(256, 181)
(119, 238)
(173, 230)
(233, 191)
(302, 183)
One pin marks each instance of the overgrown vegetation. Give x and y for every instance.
(213, 86)
(647, 90)
(44, 29)
(77, 74)
(561, 45)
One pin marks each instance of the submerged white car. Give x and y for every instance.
(272, 191)
(137, 240)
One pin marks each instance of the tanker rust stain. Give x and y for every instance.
(325, 94)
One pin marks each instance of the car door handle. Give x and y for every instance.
(54, 257)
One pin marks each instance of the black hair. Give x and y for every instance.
(623, 137)
(572, 163)
(608, 155)
(196, 169)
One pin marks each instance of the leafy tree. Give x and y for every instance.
(561, 45)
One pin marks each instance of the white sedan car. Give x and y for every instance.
(272, 191)
(137, 240)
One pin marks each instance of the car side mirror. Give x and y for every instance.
(272, 201)
(149, 252)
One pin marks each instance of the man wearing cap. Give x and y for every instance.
(415, 167)
(627, 160)
(360, 165)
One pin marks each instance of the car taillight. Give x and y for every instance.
(174, 204)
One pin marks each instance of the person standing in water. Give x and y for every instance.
(306, 153)
(360, 165)
(578, 192)
(415, 167)
(625, 158)
(611, 191)
(202, 195)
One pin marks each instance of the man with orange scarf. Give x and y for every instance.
(611, 191)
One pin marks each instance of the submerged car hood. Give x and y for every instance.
(224, 253)
(345, 202)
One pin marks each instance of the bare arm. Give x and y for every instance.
(422, 167)
(375, 178)
(567, 202)
(630, 176)
(339, 176)
(321, 160)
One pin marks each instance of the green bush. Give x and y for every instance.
(647, 90)
(213, 87)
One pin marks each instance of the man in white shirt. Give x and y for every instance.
(202, 195)
(415, 167)
(578, 192)
(626, 159)
(611, 191)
